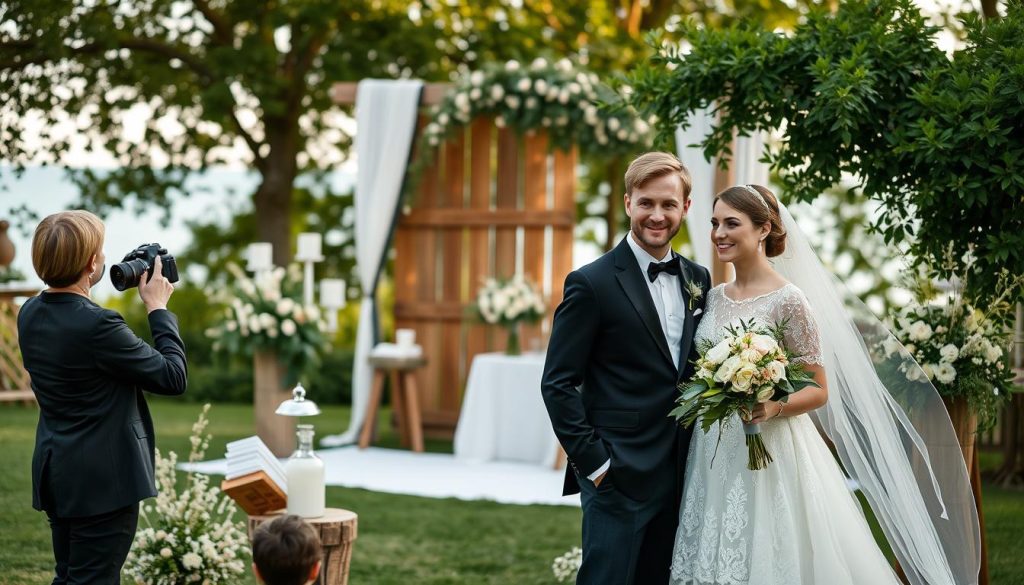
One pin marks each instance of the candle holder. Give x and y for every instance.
(332, 297)
(260, 261)
(309, 252)
(304, 471)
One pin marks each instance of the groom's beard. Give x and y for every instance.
(649, 241)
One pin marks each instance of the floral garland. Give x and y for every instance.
(270, 315)
(567, 101)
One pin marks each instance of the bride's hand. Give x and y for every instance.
(764, 412)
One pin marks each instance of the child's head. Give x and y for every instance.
(285, 551)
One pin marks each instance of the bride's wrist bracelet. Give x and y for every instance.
(782, 405)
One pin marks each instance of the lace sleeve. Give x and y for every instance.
(802, 336)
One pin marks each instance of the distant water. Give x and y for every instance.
(216, 195)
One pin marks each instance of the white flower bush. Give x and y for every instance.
(270, 315)
(559, 97)
(188, 536)
(960, 348)
(509, 302)
(566, 566)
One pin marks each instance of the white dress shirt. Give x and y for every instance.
(667, 294)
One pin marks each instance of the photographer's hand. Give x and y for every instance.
(155, 291)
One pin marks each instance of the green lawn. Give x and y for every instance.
(402, 539)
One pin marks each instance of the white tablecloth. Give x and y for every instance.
(503, 416)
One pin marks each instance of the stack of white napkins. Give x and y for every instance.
(393, 350)
(251, 455)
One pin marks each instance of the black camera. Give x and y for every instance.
(140, 261)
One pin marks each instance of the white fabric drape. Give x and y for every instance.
(746, 164)
(747, 169)
(386, 124)
(702, 172)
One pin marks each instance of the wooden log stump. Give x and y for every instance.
(338, 531)
(278, 432)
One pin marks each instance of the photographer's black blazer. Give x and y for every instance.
(609, 382)
(94, 440)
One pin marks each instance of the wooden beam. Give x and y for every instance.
(343, 93)
(472, 218)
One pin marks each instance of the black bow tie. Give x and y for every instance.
(656, 268)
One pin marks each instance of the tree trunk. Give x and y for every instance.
(1012, 471)
(989, 9)
(273, 198)
(611, 215)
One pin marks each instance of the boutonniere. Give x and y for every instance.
(696, 293)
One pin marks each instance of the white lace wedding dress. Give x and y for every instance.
(795, 522)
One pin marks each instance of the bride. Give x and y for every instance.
(797, 522)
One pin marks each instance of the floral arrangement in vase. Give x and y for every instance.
(188, 536)
(509, 303)
(269, 315)
(961, 348)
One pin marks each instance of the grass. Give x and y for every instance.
(402, 539)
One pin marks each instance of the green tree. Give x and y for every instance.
(865, 93)
(215, 80)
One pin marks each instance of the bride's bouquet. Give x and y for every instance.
(749, 366)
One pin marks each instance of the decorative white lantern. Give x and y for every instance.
(332, 297)
(260, 256)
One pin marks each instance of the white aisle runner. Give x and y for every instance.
(431, 475)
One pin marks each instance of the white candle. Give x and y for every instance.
(309, 247)
(260, 256)
(405, 337)
(332, 293)
(305, 477)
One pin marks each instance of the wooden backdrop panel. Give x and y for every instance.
(483, 209)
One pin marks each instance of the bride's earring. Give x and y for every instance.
(760, 245)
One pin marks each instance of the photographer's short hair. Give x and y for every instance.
(652, 165)
(285, 550)
(63, 244)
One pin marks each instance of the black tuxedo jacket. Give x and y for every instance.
(609, 382)
(94, 440)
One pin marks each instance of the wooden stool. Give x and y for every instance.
(405, 397)
(337, 530)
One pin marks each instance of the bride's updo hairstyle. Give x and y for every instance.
(761, 206)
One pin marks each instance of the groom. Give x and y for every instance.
(622, 339)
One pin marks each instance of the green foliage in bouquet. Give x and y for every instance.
(750, 366)
(962, 349)
(570, 103)
(188, 537)
(270, 315)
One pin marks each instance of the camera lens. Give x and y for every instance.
(127, 274)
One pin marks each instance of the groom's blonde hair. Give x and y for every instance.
(652, 165)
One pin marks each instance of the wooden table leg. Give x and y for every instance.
(412, 402)
(371, 412)
(398, 403)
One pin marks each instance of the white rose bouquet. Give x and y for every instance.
(188, 537)
(509, 303)
(749, 366)
(270, 315)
